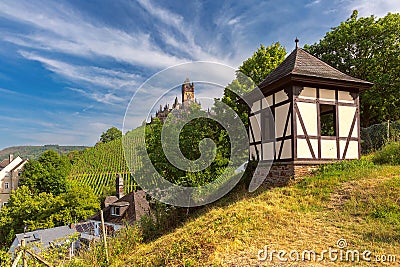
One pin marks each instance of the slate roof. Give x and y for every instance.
(300, 62)
(43, 236)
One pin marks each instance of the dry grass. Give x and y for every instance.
(359, 203)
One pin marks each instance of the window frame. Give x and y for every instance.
(332, 111)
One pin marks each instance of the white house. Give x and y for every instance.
(316, 116)
(10, 171)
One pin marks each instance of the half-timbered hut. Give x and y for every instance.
(316, 116)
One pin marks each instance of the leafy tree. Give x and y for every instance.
(111, 134)
(251, 73)
(263, 62)
(189, 138)
(45, 210)
(367, 48)
(47, 174)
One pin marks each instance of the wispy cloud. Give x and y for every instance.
(59, 28)
(105, 98)
(185, 40)
(379, 8)
(90, 74)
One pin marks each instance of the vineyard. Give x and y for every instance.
(98, 166)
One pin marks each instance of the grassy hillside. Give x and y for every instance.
(356, 201)
(99, 165)
(33, 152)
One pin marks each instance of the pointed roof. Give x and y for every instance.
(302, 63)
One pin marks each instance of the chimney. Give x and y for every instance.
(10, 157)
(119, 184)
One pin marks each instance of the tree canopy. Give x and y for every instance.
(45, 210)
(47, 174)
(367, 48)
(251, 73)
(111, 134)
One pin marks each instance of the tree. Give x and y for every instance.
(263, 62)
(369, 49)
(47, 174)
(111, 134)
(251, 73)
(189, 138)
(45, 210)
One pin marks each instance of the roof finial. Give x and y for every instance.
(297, 42)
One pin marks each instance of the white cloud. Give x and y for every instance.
(58, 28)
(379, 8)
(313, 3)
(94, 75)
(105, 98)
(186, 42)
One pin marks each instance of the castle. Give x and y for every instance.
(187, 99)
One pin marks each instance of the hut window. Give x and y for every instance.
(327, 120)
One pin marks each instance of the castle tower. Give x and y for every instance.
(187, 92)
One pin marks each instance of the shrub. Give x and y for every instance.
(389, 154)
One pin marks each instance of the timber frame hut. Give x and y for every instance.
(316, 117)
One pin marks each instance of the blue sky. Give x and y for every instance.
(69, 68)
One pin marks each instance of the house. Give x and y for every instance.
(10, 174)
(316, 117)
(118, 210)
(44, 238)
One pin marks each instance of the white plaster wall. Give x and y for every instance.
(269, 100)
(277, 146)
(252, 152)
(250, 134)
(346, 115)
(328, 149)
(281, 113)
(255, 124)
(303, 151)
(327, 95)
(280, 96)
(286, 149)
(345, 97)
(352, 150)
(308, 112)
(256, 106)
(268, 151)
(308, 93)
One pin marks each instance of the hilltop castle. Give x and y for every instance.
(187, 99)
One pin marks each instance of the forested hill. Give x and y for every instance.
(33, 152)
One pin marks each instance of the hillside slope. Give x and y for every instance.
(98, 166)
(357, 203)
(33, 152)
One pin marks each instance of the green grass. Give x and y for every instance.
(355, 200)
(389, 154)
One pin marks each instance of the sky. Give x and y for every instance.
(68, 69)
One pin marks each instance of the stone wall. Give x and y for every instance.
(284, 174)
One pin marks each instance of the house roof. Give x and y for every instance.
(302, 63)
(136, 206)
(43, 236)
(4, 163)
(20, 165)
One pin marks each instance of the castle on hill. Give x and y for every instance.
(188, 98)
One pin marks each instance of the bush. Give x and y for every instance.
(389, 154)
